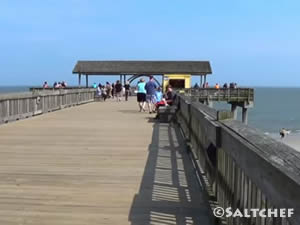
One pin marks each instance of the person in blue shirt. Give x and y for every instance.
(141, 94)
(150, 97)
(158, 95)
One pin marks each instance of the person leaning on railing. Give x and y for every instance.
(233, 85)
(45, 85)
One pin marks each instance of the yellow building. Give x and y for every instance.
(177, 81)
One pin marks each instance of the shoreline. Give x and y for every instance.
(292, 140)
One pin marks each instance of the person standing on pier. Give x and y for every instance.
(196, 86)
(118, 89)
(103, 92)
(141, 94)
(151, 89)
(45, 85)
(99, 92)
(64, 84)
(113, 90)
(108, 89)
(127, 90)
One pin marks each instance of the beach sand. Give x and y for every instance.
(293, 140)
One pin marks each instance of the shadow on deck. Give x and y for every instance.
(169, 192)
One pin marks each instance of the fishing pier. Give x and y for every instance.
(71, 160)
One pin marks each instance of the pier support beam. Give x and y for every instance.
(201, 80)
(234, 110)
(209, 103)
(124, 79)
(79, 80)
(86, 81)
(121, 78)
(204, 79)
(245, 115)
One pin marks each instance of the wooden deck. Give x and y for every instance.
(99, 163)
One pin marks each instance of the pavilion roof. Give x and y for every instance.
(142, 67)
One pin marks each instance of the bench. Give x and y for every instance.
(165, 114)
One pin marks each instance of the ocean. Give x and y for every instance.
(13, 89)
(274, 108)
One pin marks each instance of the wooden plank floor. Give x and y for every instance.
(99, 163)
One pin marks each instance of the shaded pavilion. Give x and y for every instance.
(136, 69)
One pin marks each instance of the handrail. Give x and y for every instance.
(222, 94)
(245, 168)
(17, 106)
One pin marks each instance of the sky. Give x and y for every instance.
(254, 42)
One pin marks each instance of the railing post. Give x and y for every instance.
(27, 105)
(7, 109)
(60, 96)
(43, 103)
(35, 106)
(61, 101)
(18, 108)
(189, 121)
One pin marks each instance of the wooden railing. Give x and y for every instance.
(242, 167)
(222, 94)
(22, 105)
(38, 88)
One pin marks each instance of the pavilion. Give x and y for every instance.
(136, 69)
